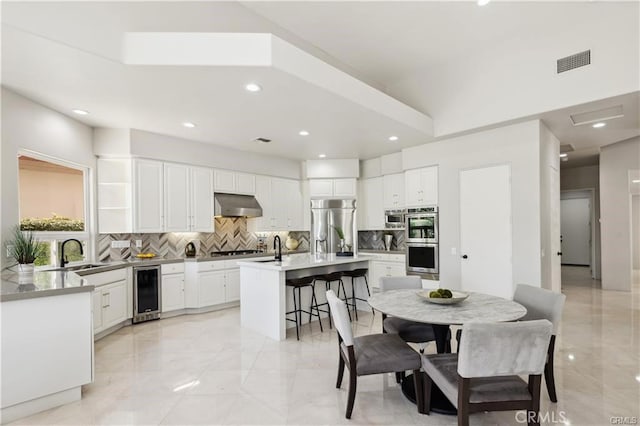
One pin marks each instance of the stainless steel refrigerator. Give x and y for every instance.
(330, 218)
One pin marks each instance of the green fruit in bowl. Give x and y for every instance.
(447, 294)
(434, 294)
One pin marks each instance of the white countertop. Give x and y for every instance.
(303, 261)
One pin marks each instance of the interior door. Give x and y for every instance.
(485, 230)
(575, 227)
(556, 249)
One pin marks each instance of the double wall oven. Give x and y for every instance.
(421, 237)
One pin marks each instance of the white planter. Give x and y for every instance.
(25, 273)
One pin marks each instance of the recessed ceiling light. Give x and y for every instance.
(393, 138)
(322, 155)
(635, 181)
(188, 124)
(303, 133)
(563, 155)
(571, 357)
(253, 87)
(599, 125)
(80, 112)
(483, 2)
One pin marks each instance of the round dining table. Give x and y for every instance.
(410, 305)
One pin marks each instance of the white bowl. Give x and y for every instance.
(457, 297)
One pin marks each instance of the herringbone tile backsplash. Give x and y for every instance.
(230, 234)
(374, 240)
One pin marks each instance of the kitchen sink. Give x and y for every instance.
(74, 268)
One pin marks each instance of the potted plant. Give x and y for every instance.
(24, 248)
(341, 237)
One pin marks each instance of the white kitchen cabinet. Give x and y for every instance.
(393, 191)
(373, 203)
(385, 269)
(211, 283)
(148, 196)
(172, 287)
(281, 202)
(112, 298)
(421, 187)
(332, 188)
(234, 182)
(201, 203)
(176, 197)
(114, 196)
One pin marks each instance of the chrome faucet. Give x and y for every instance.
(63, 260)
(277, 249)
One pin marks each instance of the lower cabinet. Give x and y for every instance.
(212, 283)
(109, 305)
(172, 293)
(111, 298)
(386, 265)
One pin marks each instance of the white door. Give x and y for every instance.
(114, 298)
(245, 183)
(554, 210)
(575, 228)
(172, 292)
(224, 181)
(374, 203)
(212, 290)
(429, 186)
(176, 197)
(232, 285)
(201, 200)
(344, 188)
(412, 188)
(485, 231)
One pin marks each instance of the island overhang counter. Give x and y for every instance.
(263, 295)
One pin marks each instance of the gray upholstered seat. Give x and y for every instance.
(371, 354)
(484, 375)
(380, 353)
(409, 331)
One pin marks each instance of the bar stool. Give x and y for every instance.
(355, 274)
(328, 279)
(298, 284)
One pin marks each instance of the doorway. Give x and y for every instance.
(576, 228)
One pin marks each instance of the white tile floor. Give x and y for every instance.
(205, 369)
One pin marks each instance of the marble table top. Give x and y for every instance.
(478, 307)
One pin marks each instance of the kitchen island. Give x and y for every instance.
(47, 342)
(263, 296)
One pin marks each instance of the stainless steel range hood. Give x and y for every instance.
(234, 205)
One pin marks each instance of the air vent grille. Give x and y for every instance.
(574, 61)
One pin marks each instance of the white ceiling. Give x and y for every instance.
(69, 55)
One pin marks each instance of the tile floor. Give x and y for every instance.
(205, 369)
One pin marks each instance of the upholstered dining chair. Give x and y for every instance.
(485, 374)
(543, 304)
(409, 331)
(370, 354)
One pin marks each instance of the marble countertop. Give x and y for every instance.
(44, 284)
(382, 251)
(303, 261)
(478, 307)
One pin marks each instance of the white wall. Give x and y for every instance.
(169, 148)
(635, 230)
(27, 125)
(549, 208)
(616, 161)
(588, 177)
(517, 145)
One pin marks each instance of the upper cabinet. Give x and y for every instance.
(164, 197)
(148, 196)
(421, 187)
(234, 182)
(332, 188)
(281, 202)
(373, 204)
(393, 191)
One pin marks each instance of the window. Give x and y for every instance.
(53, 204)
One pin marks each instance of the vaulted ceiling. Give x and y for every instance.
(464, 66)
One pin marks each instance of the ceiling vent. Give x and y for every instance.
(566, 148)
(263, 140)
(597, 115)
(574, 61)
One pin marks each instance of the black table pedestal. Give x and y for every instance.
(439, 403)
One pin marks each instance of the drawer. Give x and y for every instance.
(395, 258)
(211, 266)
(172, 268)
(106, 277)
